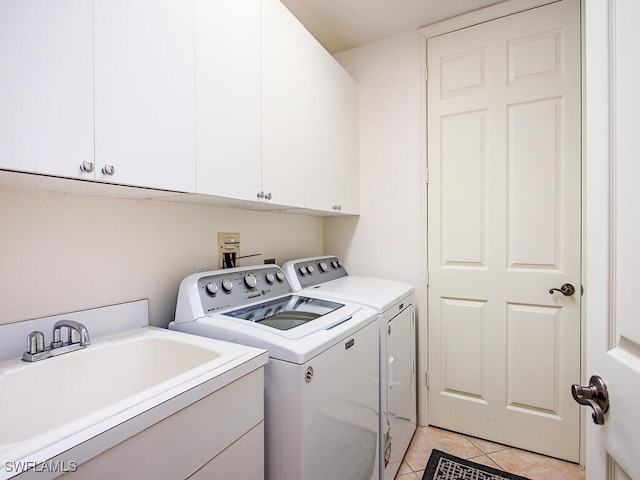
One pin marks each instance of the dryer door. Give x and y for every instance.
(401, 386)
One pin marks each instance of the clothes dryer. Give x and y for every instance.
(321, 381)
(394, 303)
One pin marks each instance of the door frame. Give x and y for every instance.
(470, 19)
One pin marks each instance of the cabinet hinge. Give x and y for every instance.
(426, 278)
(426, 74)
(426, 176)
(427, 379)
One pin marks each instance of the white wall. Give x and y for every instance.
(388, 239)
(66, 252)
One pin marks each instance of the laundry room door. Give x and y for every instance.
(504, 229)
(612, 270)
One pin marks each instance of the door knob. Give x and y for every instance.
(566, 289)
(594, 396)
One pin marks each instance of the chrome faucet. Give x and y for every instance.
(78, 337)
(77, 333)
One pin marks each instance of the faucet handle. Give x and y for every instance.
(35, 342)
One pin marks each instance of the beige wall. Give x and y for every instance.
(385, 240)
(67, 252)
(389, 238)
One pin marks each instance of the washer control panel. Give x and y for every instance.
(313, 271)
(235, 287)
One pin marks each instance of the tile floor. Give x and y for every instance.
(520, 462)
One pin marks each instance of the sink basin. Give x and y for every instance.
(115, 378)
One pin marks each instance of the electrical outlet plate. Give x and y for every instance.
(228, 242)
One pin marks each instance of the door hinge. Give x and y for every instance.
(426, 278)
(427, 379)
(426, 74)
(426, 176)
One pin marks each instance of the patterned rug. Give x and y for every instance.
(442, 466)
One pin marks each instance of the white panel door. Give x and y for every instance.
(228, 116)
(46, 86)
(145, 92)
(504, 220)
(613, 233)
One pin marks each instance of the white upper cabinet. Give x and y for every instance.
(226, 98)
(228, 118)
(332, 180)
(309, 118)
(46, 86)
(287, 96)
(145, 93)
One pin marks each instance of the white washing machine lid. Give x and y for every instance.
(296, 345)
(377, 293)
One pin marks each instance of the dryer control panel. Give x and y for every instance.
(314, 271)
(236, 287)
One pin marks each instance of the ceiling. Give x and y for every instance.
(344, 24)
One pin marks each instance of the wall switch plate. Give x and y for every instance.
(228, 249)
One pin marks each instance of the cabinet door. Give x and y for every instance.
(333, 178)
(145, 92)
(287, 94)
(228, 136)
(46, 86)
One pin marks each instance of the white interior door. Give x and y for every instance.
(504, 219)
(613, 233)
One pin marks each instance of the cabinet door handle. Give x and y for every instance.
(108, 169)
(86, 166)
(268, 196)
(260, 195)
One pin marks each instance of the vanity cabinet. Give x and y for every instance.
(144, 93)
(218, 437)
(46, 86)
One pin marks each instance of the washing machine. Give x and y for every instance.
(394, 304)
(322, 377)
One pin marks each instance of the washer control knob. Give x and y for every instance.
(303, 271)
(280, 276)
(227, 285)
(334, 264)
(310, 269)
(323, 266)
(339, 263)
(212, 288)
(250, 280)
(269, 278)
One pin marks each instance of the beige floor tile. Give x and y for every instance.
(537, 467)
(484, 460)
(419, 474)
(404, 468)
(485, 446)
(428, 438)
(408, 476)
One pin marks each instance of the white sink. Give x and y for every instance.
(50, 405)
